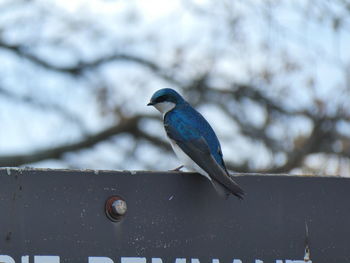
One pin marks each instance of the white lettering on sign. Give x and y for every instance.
(177, 260)
(214, 260)
(297, 261)
(180, 260)
(195, 260)
(25, 259)
(157, 260)
(46, 259)
(100, 260)
(132, 260)
(6, 259)
(56, 259)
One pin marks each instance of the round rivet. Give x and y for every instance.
(115, 208)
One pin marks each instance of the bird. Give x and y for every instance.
(194, 141)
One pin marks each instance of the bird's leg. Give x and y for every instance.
(177, 169)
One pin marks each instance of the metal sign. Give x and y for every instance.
(53, 216)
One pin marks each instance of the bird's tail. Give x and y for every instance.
(230, 188)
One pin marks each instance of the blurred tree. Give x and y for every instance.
(271, 76)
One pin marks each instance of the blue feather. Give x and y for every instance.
(185, 124)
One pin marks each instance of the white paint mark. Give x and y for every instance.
(307, 255)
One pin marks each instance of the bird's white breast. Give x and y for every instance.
(165, 106)
(186, 160)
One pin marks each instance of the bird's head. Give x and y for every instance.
(165, 100)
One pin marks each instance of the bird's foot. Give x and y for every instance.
(177, 169)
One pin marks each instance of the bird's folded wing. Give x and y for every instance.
(199, 152)
(196, 147)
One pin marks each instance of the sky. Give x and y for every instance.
(132, 26)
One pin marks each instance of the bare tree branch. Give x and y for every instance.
(321, 139)
(125, 126)
(81, 66)
(152, 139)
(44, 106)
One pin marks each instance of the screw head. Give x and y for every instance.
(119, 207)
(115, 208)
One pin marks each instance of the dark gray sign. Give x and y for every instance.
(52, 216)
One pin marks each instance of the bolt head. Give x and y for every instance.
(119, 207)
(115, 208)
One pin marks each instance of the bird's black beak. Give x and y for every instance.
(150, 103)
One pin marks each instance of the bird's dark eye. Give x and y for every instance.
(160, 99)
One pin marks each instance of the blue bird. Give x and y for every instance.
(194, 141)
